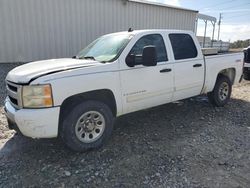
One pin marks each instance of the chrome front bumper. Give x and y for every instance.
(34, 123)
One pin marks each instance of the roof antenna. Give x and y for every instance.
(130, 29)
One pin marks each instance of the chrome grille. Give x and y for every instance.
(14, 94)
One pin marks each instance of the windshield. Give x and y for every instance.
(106, 48)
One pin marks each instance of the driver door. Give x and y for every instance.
(145, 87)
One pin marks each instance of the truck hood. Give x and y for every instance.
(28, 72)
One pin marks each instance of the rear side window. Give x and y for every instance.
(150, 40)
(183, 46)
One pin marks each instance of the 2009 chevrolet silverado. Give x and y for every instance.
(79, 98)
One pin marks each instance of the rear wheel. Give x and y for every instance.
(221, 92)
(87, 126)
(247, 76)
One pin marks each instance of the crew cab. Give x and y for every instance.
(78, 99)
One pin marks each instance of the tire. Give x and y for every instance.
(86, 119)
(221, 92)
(247, 76)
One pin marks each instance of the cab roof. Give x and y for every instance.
(135, 32)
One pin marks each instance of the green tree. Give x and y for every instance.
(240, 44)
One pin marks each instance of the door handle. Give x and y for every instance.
(197, 65)
(165, 70)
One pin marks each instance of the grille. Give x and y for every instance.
(245, 55)
(12, 88)
(14, 94)
(13, 101)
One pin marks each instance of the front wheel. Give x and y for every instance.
(221, 92)
(87, 126)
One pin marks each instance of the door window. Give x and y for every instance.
(149, 40)
(183, 46)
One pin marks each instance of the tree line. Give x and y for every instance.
(240, 44)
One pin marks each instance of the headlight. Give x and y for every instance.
(37, 96)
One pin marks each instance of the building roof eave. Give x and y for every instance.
(162, 5)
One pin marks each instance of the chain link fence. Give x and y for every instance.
(4, 69)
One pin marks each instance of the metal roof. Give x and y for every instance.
(162, 5)
(206, 17)
(69, 26)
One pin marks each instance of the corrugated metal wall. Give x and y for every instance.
(42, 29)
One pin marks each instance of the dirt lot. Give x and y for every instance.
(183, 144)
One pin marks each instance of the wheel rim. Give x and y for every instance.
(90, 126)
(223, 91)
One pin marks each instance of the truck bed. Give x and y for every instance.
(219, 62)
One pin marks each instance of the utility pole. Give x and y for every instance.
(219, 23)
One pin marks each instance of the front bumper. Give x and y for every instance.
(35, 123)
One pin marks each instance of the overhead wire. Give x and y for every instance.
(236, 16)
(237, 6)
(217, 4)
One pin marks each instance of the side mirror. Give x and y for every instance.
(130, 60)
(149, 56)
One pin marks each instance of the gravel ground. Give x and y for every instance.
(183, 144)
(4, 69)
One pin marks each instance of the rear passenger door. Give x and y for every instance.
(188, 66)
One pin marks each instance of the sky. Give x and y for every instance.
(235, 23)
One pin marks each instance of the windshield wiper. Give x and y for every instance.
(91, 57)
(88, 57)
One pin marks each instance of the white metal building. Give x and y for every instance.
(40, 29)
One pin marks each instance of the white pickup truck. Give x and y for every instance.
(78, 99)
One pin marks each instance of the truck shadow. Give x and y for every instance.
(172, 120)
(146, 138)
